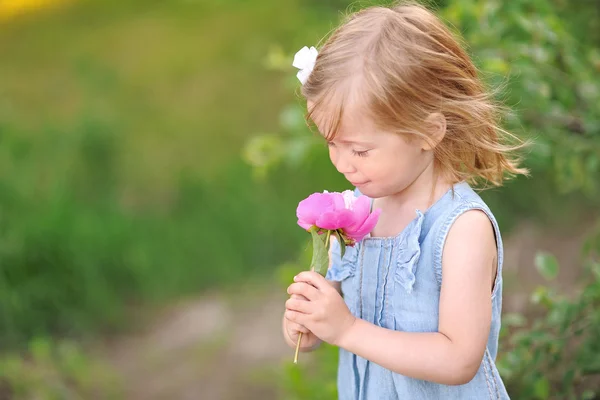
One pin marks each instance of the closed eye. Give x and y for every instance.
(361, 153)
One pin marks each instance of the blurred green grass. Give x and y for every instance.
(183, 80)
(121, 182)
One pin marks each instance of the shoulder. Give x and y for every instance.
(471, 232)
(472, 222)
(464, 212)
(468, 257)
(466, 228)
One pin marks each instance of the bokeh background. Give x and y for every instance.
(152, 154)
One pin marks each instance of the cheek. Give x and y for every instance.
(332, 154)
(397, 167)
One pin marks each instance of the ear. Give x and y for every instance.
(435, 124)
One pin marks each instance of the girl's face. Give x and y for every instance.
(377, 162)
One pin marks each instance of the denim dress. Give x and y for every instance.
(395, 282)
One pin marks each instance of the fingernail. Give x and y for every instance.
(296, 278)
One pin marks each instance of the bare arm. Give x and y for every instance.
(453, 354)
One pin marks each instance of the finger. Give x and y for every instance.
(296, 317)
(304, 289)
(313, 278)
(302, 306)
(298, 297)
(294, 327)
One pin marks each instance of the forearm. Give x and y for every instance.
(428, 356)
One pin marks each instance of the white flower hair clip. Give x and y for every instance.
(305, 60)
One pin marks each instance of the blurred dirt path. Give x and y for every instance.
(212, 348)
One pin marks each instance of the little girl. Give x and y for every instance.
(408, 123)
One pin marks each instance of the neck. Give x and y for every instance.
(422, 193)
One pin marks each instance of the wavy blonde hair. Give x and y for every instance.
(402, 64)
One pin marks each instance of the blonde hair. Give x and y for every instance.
(403, 64)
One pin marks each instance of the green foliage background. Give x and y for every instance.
(151, 150)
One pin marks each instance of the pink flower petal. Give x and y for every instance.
(338, 201)
(367, 226)
(361, 211)
(313, 207)
(337, 219)
(304, 225)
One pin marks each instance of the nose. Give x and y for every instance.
(341, 162)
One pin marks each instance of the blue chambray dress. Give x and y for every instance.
(395, 283)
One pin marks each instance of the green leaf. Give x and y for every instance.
(542, 296)
(320, 257)
(546, 264)
(342, 243)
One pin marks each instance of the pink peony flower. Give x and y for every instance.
(343, 215)
(343, 212)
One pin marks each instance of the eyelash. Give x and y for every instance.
(354, 152)
(360, 153)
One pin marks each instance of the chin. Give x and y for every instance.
(370, 192)
(377, 192)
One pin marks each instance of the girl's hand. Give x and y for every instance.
(323, 313)
(293, 329)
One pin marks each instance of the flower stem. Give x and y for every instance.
(297, 348)
(300, 333)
